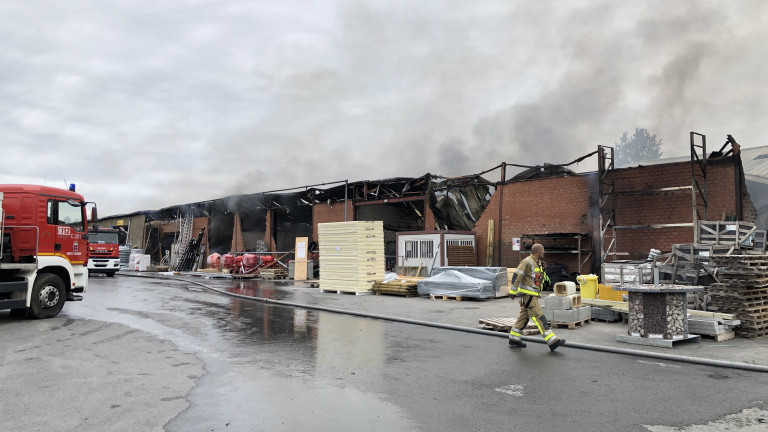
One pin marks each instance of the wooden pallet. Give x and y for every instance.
(751, 333)
(718, 337)
(736, 292)
(273, 274)
(346, 292)
(505, 325)
(209, 270)
(498, 324)
(399, 294)
(571, 325)
(446, 297)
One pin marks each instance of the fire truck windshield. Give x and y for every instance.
(103, 237)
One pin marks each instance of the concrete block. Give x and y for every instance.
(585, 312)
(605, 314)
(575, 300)
(548, 312)
(567, 316)
(559, 303)
(564, 289)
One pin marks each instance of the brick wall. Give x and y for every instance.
(668, 208)
(429, 218)
(569, 205)
(322, 213)
(542, 206)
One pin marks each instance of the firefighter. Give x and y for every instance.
(527, 284)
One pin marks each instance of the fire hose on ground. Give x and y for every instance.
(577, 345)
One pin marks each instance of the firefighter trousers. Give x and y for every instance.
(530, 309)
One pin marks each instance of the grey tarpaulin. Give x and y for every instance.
(457, 284)
(497, 275)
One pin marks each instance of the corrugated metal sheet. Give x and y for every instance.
(755, 163)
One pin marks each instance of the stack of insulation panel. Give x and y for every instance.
(351, 255)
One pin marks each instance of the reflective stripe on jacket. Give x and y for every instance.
(524, 279)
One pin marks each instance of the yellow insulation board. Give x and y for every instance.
(351, 255)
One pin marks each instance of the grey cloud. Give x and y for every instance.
(166, 103)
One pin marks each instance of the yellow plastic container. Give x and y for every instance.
(606, 292)
(588, 284)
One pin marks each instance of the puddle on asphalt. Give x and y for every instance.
(262, 360)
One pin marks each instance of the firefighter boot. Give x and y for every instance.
(552, 340)
(559, 342)
(514, 339)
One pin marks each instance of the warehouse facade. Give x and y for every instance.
(651, 207)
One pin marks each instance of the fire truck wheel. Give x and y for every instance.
(48, 296)
(111, 274)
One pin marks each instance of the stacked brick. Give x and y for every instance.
(565, 308)
(743, 291)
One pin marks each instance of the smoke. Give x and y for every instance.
(166, 104)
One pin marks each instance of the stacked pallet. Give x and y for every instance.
(351, 256)
(401, 287)
(743, 291)
(691, 263)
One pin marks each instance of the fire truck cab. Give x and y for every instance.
(43, 248)
(104, 251)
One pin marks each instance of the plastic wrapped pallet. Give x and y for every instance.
(457, 284)
(351, 255)
(497, 275)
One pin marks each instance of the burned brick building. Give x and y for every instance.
(582, 219)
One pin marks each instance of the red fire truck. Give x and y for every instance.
(43, 248)
(104, 251)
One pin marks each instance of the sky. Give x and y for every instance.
(149, 104)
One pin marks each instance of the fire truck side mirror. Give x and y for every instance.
(94, 219)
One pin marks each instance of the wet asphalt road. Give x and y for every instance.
(214, 363)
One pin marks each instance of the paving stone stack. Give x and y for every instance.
(717, 329)
(743, 291)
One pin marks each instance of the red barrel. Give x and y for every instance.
(250, 261)
(227, 261)
(214, 260)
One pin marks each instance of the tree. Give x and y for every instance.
(642, 146)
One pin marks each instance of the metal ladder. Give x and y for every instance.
(185, 235)
(188, 261)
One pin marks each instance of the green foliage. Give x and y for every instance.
(642, 146)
